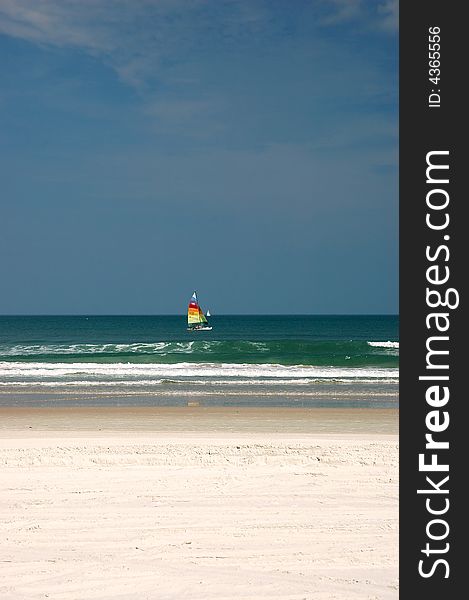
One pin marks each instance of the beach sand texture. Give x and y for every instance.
(128, 505)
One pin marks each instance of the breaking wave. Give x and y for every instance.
(384, 344)
(333, 353)
(128, 374)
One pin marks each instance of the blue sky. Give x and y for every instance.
(246, 149)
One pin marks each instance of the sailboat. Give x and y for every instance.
(196, 320)
(207, 314)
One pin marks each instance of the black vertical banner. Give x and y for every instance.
(433, 254)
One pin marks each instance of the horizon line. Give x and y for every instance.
(373, 314)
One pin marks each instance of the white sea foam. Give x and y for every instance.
(58, 349)
(384, 344)
(192, 382)
(158, 348)
(130, 371)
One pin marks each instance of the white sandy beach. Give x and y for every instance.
(160, 505)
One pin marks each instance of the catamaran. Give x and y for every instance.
(196, 320)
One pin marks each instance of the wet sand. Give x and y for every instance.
(126, 420)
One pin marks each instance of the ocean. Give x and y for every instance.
(294, 360)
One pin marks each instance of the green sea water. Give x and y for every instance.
(156, 358)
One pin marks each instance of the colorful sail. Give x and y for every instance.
(195, 315)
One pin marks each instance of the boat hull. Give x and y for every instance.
(199, 328)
